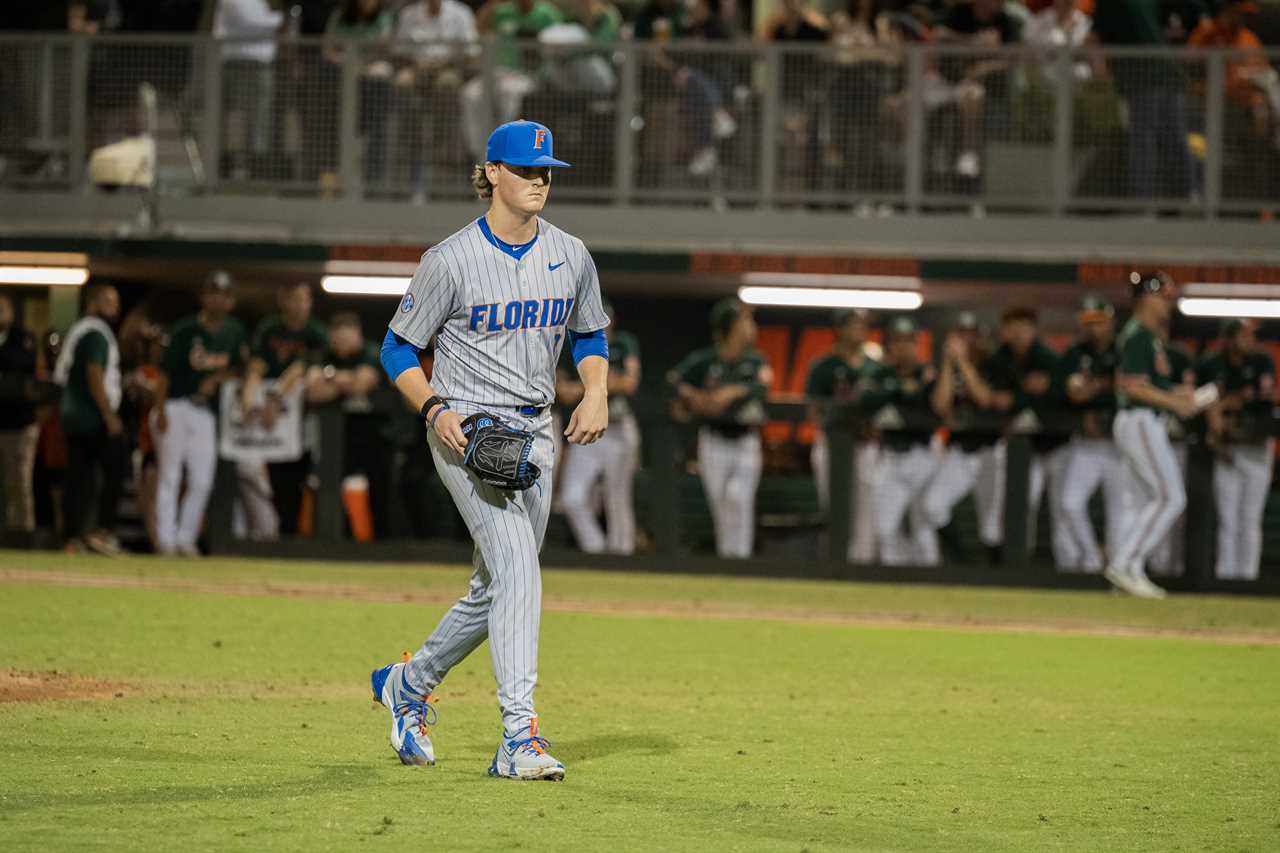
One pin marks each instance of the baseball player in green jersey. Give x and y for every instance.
(1146, 395)
(724, 386)
(612, 460)
(907, 460)
(1242, 476)
(204, 351)
(845, 377)
(969, 462)
(1086, 379)
(284, 345)
(1021, 373)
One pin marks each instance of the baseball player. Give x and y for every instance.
(204, 351)
(284, 345)
(1145, 392)
(611, 460)
(724, 386)
(958, 397)
(907, 462)
(499, 297)
(845, 377)
(1086, 376)
(1242, 476)
(1021, 373)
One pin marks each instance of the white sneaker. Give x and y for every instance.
(524, 756)
(1149, 589)
(704, 162)
(188, 551)
(411, 713)
(722, 124)
(1136, 585)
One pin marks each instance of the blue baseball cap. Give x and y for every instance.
(521, 143)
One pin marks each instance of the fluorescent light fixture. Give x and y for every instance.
(831, 297)
(366, 285)
(804, 279)
(1232, 289)
(66, 276)
(378, 268)
(1193, 306)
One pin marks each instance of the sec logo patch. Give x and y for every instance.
(406, 304)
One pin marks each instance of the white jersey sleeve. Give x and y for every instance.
(432, 299)
(588, 310)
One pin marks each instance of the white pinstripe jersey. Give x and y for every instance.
(499, 323)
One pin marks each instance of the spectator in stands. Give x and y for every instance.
(865, 66)
(1252, 113)
(981, 89)
(1062, 26)
(1020, 374)
(1155, 88)
(284, 345)
(88, 369)
(366, 26)
(802, 97)
(248, 78)
(348, 373)
(434, 41)
(589, 70)
(704, 116)
(18, 429)
(513, 79)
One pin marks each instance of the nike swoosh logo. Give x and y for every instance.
(554, 267)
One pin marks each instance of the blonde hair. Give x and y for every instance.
(480, 182)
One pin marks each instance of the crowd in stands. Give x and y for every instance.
(843, 112)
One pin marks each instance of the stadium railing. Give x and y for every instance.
(692, 123)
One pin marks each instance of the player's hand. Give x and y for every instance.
(956, 350)
(1184, 403)
(589, 420)
(269, 413)
(115, 426)
(1036, 383)
(159, 420)
(448, 425)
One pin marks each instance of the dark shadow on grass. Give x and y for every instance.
(648, 743)
(332, 777)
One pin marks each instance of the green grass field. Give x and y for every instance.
(223, 705)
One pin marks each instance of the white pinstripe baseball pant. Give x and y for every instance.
(1158, 489)
(613, 458)
(504, 602)
(1240, 488)
(730, 474)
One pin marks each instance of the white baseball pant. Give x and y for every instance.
(862, 520)
(1170, 556)
(1090, 463)
(1240, 489)
(1160, 495)
(612, 459)
(504, 602)
(730, 475)
(189, 445)
(904, 475)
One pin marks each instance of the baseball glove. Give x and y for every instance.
(499, 453)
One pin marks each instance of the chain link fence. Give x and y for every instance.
(874, 130)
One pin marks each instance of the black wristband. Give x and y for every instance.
(431, 401)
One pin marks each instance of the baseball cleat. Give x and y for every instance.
(411, 713)
(1133, 582)
(525, 756)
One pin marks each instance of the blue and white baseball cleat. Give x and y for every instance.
(524, 756)
(411, 713)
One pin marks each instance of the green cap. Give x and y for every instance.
(1147, 283)
(1231, 327)
(723, 313)
(1095, 307)
(844, 315)
(902, 327)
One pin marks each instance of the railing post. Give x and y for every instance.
(1201, 516)
(665, 495)
(78, 103)
(1215, 87)
(624, 141)
(211, 120)
(329, 526)
(1063, 107)
(348, 122)
(915, 128)
(769, 124)
(1017, 480)
(840, 495)
(45, 106)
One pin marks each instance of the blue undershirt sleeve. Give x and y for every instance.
(398, 355)
(589, 343)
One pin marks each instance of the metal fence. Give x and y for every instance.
(877, 130)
